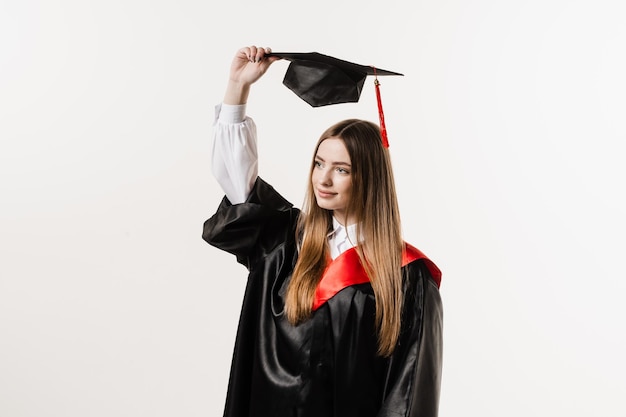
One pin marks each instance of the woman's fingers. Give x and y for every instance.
(250, 64)
(255, 53)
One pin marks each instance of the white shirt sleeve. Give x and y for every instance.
(235, 157)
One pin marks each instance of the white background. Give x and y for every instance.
(507, 136)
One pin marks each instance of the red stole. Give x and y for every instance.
(346, 270)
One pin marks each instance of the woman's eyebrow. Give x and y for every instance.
(334, 163)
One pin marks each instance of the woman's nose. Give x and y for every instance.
(325, 177)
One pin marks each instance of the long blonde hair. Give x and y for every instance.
(374, 206)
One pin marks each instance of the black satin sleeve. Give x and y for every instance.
(414, 373)
(252, 229)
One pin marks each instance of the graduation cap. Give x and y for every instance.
(322, 80)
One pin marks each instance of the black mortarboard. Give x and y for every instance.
(321, 80)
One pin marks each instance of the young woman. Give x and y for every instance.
(340, 317)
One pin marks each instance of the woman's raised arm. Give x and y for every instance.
(234, 162)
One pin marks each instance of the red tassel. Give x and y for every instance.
(381, 115)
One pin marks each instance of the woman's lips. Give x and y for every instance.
(325, 194)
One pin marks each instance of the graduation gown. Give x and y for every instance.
(326, 366)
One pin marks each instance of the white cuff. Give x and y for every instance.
(230, 113)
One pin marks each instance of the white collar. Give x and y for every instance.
(340, 228)
(341, 238)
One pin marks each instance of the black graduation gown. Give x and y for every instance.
(326, 366)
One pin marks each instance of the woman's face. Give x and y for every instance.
(332, 179)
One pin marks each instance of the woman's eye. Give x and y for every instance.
(342, 171)
(318, 164)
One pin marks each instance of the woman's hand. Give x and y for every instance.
(249, 64)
